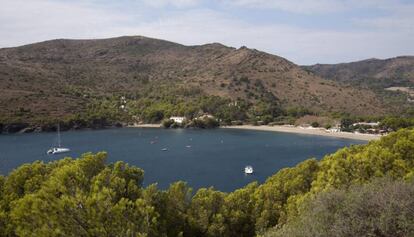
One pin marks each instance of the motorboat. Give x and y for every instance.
(248, 169)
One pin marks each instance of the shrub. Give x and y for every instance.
(315, 124)
(166, 123)
(381, 208)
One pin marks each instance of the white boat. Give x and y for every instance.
(59, 149)
(164, 149)
(248, 169)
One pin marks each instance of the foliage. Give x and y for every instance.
(315, 124)
(204, 123)
(381, 208)
(346, 124)
(395, 123)
(166, 123)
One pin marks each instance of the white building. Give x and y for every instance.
(366, 124)
(334, 129)
(178, 119)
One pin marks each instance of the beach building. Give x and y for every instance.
(334, 129)
(366, 124)
(177, 119)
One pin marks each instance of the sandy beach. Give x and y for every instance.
(146, 125)
(288, 129)
(309, 131)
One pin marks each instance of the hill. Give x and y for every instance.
(392, 72)
(391, 79)
(58, 79)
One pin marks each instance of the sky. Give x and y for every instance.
(303, 31)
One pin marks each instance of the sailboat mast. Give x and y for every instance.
(58, 135)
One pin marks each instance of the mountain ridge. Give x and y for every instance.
(394, 71)
(58, 77)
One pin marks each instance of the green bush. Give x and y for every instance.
(166, 123)
(382, 208)
(315, 124)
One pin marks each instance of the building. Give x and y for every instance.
(176, 119)
(366, 124)
(334, 129)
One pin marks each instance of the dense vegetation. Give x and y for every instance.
(395, 123)
(153, 105)
(384, 207)
(156, 104)
(386, 124)
(87, 197)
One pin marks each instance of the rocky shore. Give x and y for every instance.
(12, 128)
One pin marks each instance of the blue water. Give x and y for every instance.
(216, 157)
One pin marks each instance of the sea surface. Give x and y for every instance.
(202, 158)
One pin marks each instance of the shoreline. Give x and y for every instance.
(275, 128)
(307, 131)
(287, 129)
(145, 125)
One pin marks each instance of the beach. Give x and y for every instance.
(288, 129)
(308, 131)
(145, 125)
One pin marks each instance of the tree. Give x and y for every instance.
(315, 124)
(346, 124)
(166, 123)
(204, 214)
(383, 207)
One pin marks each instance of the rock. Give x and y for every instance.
(27, 130)
(14, 127)
(120, 125)
(77, 126)
(48, 128)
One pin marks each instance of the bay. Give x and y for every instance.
(202, 158)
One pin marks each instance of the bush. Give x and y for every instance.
(166, 123)
(381, 208)
(346, 124)
(315, 124)
(328, 126)
(205, 123)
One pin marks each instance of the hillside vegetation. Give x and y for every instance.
(81, 82)
(87, 197)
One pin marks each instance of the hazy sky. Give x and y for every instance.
(303, 31)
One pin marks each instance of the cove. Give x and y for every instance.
(202, 158)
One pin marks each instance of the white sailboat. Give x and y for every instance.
(59, 149)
